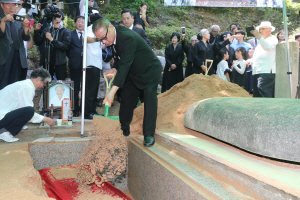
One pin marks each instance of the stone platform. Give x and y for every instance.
(186, 167)
(265, 126)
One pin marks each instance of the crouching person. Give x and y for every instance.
(16, 105)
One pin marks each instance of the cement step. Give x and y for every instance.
(241, 176)
(160, 173)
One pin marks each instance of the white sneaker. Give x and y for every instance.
(7, 137)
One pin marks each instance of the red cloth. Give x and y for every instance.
(67, 189)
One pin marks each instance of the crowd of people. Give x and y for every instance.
(122, 49)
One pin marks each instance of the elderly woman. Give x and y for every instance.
(189, 54)
(173, 72)
(203, 50)
(141, 15)
(281, 36)
(214, 34)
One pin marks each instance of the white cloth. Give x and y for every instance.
(18, 95)
(82, 7)
(93, 51)
(264, 57)
(55, 100)
(221, 67)
(242, 64)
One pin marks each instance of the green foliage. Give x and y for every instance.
(69, 23)
(160, 36)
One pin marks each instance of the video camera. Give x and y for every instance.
(51, 13)
(26, 4)
(92, 10)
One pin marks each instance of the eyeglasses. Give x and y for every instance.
(264, 29)
(105, 37)
(214, 31)
(194, 40)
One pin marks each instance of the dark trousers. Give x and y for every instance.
(76, 76)
(264, 85)
(16, 119)
(11, 71)
(76, 4)
(129, 97)
(91, 89)
(59, 70)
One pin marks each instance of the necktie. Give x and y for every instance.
(114, 51)
(80, 38)
(14, 35)
(255, 41)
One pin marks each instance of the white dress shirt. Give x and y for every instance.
(18, 95)
(93, 51)
(264, 57)
(56, 101)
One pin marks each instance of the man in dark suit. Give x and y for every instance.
(13, 62)
(137, 71)
(128, 19)
(75, 54)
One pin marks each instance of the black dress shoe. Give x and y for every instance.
(126, 132)
(76, 113)
(119, 99)
(88, 116)
(99, 103)
(149, 141)
(95, 112)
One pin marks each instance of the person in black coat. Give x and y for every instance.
(203, 50)
(214, 34)
(60, 39)
(189, 54)
(173, 71)
(141, 16)
(224, 36)
(137, 71)
(75, 54)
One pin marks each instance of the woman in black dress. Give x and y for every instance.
(141, 16)
(189, 54)
(173, 72)
(203, 50)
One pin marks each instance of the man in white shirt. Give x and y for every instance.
(93, 69)
(16, 105)
(264, 60)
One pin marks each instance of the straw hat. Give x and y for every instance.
(9, 1)
(266, 23)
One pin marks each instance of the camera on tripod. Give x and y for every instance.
(26, 4)
(51, 12)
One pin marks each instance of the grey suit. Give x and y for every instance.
(6, 41)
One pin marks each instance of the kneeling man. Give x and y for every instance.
(16, 105)
(137, 71)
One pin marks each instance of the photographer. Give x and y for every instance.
(59, 39)
(13, 63)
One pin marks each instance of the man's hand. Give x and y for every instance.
(173, 66)
(110, 73)
(109, 98)
(255, 33)
(183, 36)
(25, 23)
(7, 18)
(203, 68)
(49, 37)
(234, 36)
(49, 121)
(38, 26)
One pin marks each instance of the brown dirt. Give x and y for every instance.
(173, 103)
(105, 156)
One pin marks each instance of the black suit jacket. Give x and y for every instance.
(135, 60)
(74, 52)
(142, 33)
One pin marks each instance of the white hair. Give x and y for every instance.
(215, 26)
(194, 36)
(202, 31)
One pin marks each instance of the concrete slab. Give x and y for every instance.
(44, 140)
(73, 139)
(238, 173)
(265, 126)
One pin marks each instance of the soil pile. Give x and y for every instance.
(105, 156)
(173, 103)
